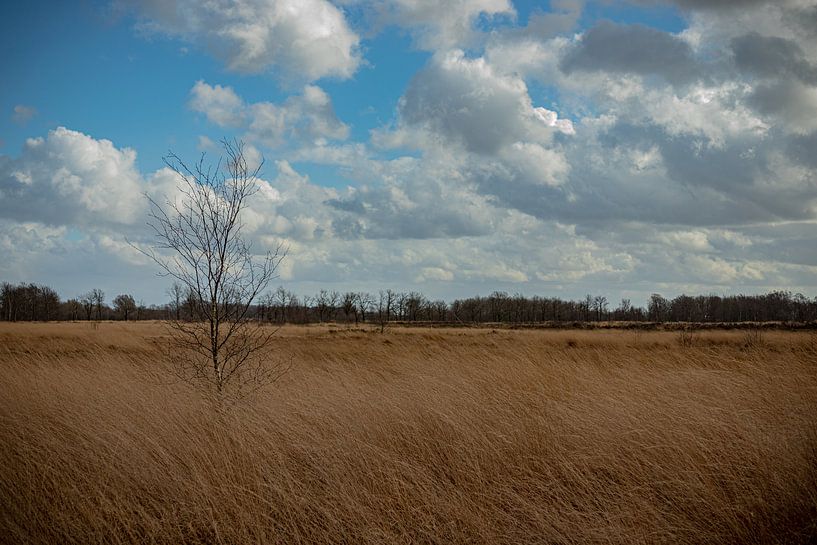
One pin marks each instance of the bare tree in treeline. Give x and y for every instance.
(73, 308)
(125, 305)
(200, 244)
(501, 307)
(98, 299)
(282, 306)
(283, 299)
(348, 305)
(35, 302)
(176, 293)
(364, 302)
(658, 308)
(87, 303)
(600, 307)
(265, 309)
(326, 303)
(29, 302)
(384, 307)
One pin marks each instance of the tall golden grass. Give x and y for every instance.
(415, 436)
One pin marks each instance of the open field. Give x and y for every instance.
(415, 436)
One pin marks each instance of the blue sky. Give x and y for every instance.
(85, 67)
(559, 148)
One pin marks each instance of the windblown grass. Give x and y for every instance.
(415, 436)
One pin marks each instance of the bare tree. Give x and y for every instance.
(87, 304)
(658, 308)
(385, 302)
(348, 305)
(414, 304)
(283, 300)
(98, 299)
(49, 301)
(189, 304)
(124, 304)
(141, 309)
(439, 310)
(28, 302)
(600, 306)
(624, 309)
(333, 303)
(176, 294)
(326, 303)
(265, 310)
(364, 302)
(201, 245)
(74, 308)
(306, 305)
(587, 307)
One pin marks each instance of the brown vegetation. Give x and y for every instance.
(416, 436)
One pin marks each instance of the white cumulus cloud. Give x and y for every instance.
(69, 177)
(308, 116)
(296, 39)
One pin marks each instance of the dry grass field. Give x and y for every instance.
(415, 436)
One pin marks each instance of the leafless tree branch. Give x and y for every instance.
(198, 242)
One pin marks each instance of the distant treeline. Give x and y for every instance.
(33, 302)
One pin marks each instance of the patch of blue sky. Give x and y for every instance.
(104, 79)
(546, 96)
(74, 235)
(319, 174)
(83, 73)
(338, 176)
(101, 77)
(567, 105)
(369, 99)
(661, 17)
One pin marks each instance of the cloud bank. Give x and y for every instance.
(530, 155)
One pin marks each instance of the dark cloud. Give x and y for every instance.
(787, 103)
(718, 4)
(772, 57)
(803, 149)
(463, 104)
(803, 19)
(464, 100)
(705, 4)
(801, 250)
(562, 16)
(730, 171)
(377, 214)
(690, 182)
(635, 49)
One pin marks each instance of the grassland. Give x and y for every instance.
(415, 436)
